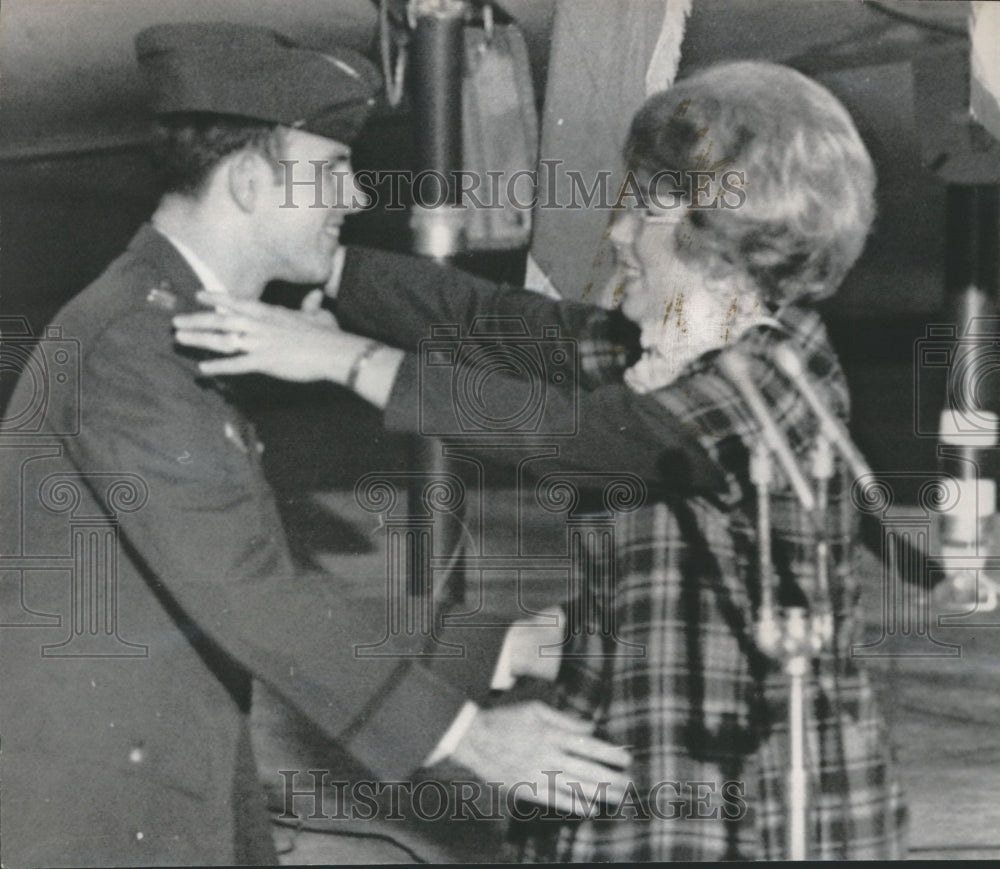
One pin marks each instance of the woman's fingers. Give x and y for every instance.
(212, 321)
(312, 303)
(217, 342)
(251, 307)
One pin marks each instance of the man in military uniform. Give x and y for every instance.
(128, 743)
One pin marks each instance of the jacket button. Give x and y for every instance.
(136, 755)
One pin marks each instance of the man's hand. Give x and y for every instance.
(545, 756)
(301, 346)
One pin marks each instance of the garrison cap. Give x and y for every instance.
(253, 72)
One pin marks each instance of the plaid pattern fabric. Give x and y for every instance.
(704, 709)
(606, 345)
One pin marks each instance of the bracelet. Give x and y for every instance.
(360, 361)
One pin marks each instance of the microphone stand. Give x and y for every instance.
(822, 469)
(798, 635)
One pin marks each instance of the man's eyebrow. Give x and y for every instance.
(340, 154)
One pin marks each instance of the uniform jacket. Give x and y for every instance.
(146, 579)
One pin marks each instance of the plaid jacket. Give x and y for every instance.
(704, 709)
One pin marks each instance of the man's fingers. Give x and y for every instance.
(598, 750)
(579, 789)
(573, 735)
(562, 720)
(571, 769)
(593, 777)
(569, 804)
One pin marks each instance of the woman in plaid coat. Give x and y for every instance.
(750, 197)
(705, 709)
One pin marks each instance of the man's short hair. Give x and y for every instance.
(809, 181)
(187, 146)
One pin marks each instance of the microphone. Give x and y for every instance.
(959, 527)
(734, 365)
(834, 430)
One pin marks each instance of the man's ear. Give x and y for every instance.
(244, 176)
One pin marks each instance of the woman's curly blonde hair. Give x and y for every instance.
(808, 179)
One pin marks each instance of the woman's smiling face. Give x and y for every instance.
(668, 290)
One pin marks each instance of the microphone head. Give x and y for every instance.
(734, 365)
(788, 361)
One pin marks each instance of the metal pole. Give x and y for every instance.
(436, 90)
(761, 475)
(437, 53)
(792, 640)
(797, 643)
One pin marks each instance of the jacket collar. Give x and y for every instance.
(179, 278)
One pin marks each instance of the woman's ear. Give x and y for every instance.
(724, 278)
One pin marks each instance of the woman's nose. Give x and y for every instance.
(623, 228)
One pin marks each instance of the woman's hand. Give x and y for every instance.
(302, 345)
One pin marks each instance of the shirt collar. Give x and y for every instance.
(209, 280)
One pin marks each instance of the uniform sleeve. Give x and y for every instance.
(210, 541)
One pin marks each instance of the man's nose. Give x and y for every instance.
(349, 195)
(357, 197)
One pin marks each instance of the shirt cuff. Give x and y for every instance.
(503, 679)
(333, 284)
(453, 735)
